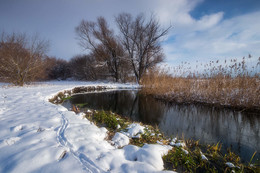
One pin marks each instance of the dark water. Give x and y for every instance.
(235, 130)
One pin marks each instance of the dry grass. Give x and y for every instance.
(234, 84)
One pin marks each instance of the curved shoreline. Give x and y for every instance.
(82, 90)
(210, 104)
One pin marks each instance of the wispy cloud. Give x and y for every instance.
(210, 37)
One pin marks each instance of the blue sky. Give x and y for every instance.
(231, 8)
(203, 30)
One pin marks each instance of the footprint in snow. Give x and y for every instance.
(17, 128)
(2, 110)
(40, 129)
(12, 140)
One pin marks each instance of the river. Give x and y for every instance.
(236, 130)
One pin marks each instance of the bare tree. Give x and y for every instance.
(83, 67)
(142, 40)
(21, 58)
(57, 69)
(103, 44)
(49, 64)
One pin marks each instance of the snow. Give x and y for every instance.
(38, 136)
(149, 154)
(120, 140)
(11, 140)
(159, 142)
(229, 164)
(185, 151)
(134, 130)
(174, 140)
(203, 157)
(180, 144)
(177, 143)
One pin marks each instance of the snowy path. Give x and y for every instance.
(37, 136)
(88, 165)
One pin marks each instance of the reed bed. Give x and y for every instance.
(230, 83)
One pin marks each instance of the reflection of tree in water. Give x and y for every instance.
(150, 110)
(126, 103)
(204, 123)
(212, 125)
(121, 102)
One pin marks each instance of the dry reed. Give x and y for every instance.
(234, 83)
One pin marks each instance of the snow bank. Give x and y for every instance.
(149, 154)
(37, 136)
(120, 140)
(134, 130)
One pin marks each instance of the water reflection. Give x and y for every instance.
(237, 130)
(210, 125)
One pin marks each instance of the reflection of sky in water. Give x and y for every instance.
(207, 124)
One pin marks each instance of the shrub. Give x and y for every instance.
(21, 58)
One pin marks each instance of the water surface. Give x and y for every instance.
(236, 130)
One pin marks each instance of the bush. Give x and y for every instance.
(21, 58)
(82, 67)
(58, 69)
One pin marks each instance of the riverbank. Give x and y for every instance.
(233, 83)
(241, 93)
(234, 129)
(38, 136)
(33, 130)
(184, 156)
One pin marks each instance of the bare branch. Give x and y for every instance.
(21, 58)
(141, 39)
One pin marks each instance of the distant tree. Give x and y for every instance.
(141, 38)
(119, 67)
(58, 69)
(21, 58)
(83, 67)
(103, 45)
(49, 63)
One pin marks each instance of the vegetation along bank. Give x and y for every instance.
(184, 156)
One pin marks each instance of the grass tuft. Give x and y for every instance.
(106, 118)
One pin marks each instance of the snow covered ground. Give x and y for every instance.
(38, 136)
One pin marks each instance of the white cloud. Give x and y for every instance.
(213, 37)
(209, 21)
(175, 11)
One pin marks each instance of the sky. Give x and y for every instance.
(202, 30)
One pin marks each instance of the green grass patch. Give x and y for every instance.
(151, 136)
(178, 160)
(108, 119)
(66, 98)
(186, 159)
(61, 97)
(82, 105)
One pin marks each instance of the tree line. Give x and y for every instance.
(121, 57)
